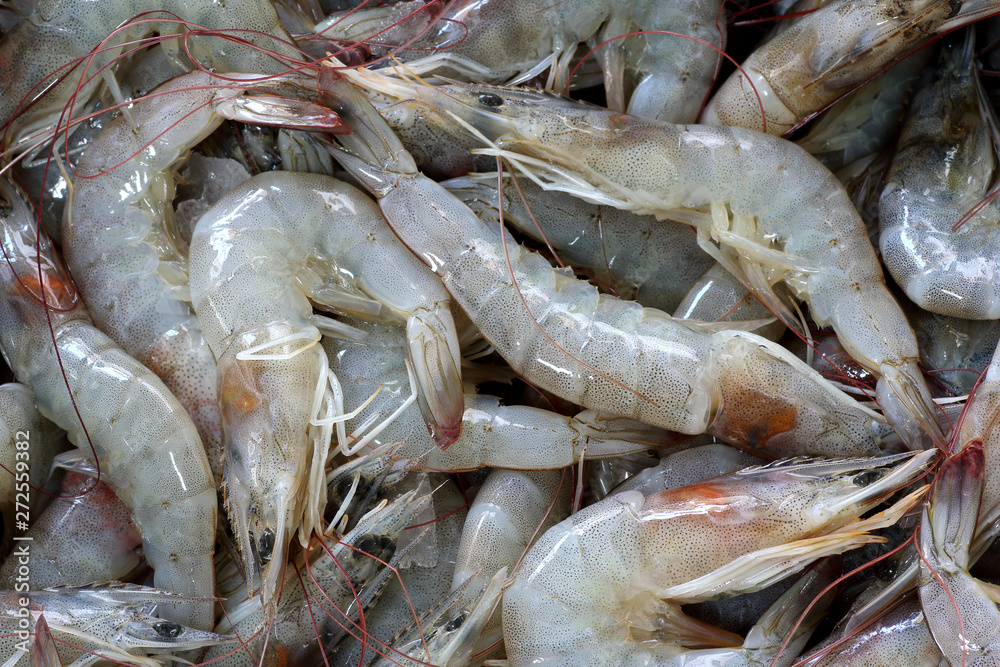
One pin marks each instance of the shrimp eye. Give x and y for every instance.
(887, 572)
(368, 544)
(455, 623)
(168, 630)
(266, 547)
(490, 100)
(388, 547)
(867, 477)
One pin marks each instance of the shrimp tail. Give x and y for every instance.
(951, 517)
(674, 622)
(371, 139)
(43, 647)
(436, 359)
(904, 398)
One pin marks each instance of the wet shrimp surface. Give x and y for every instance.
(499, 333)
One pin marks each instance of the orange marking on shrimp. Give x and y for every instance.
(236, 392)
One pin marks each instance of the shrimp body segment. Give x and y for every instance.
(604, 586)
(259, 260)
(766, 209)
(146, 444)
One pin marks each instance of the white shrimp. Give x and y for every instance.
(604, 586)
(146, 445)
(781, 631)
(900, 637)
(828, 53)
(59, 32)
(257, 259)
(511, 509)
(719, 296)
(866, 121)
(311, 614)
(688, 466)
(963, 613)
(596, 350)
(127, 261)
(945, 164)
(766, 209)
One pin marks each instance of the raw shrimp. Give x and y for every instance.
(978, 425)
(309, 615)
(105, 543)
(126, 259)
(59, 32)
(424, 584)
(663, 77)
(596, 350)
(657, 75)
(257, 259)
(766, 209)
(828, 53)
(447, 634)
(638, 257)
(604, 586)
(962, 613)
(944, 165)
(510, 510)
(112, 621)
(511, 437)
(957, 351)
(146, 445)
(43, 647)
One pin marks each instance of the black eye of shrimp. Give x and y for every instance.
(168, 630)
(490, 100)
(867, 477)
(266, 547)
(455, 623)
(367, 544)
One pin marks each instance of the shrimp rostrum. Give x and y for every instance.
(594, 349)
(764, 208)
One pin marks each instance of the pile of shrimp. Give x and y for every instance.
(447, 332)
